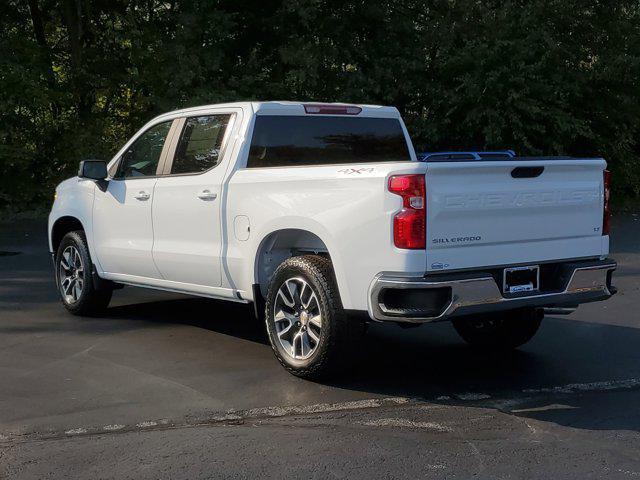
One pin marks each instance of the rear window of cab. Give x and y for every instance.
(280, 140)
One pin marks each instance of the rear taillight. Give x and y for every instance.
(409, 224)
(606, 216)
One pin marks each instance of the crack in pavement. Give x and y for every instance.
(239, 417)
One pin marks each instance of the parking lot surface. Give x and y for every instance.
(166, 386)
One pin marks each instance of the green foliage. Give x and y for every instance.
(78, 77)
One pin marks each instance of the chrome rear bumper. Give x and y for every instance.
(478, 292)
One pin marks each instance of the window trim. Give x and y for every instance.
(173, 137)
(161, 160)
(171, 154)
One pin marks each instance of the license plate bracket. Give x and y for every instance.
(521, 279)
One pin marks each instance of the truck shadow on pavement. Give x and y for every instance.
(226, 318)
(572, 373)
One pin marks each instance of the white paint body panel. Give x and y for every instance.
(74, 198)
(187, 230)
(478, 215)
(122, 227)
(351, 213)
(187, 226)
(177, 242)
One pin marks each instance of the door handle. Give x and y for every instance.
(142, 195)
(207, 195)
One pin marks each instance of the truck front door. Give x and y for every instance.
(122, 228)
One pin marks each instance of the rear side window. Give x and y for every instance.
(141, 158)
(321, 140)
(200, 144)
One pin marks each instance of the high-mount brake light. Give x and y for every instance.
(329, 109)
(409, 224)
(606, 214)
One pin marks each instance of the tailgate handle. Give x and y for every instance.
(527, 172)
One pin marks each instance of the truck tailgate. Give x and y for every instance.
(491, 213)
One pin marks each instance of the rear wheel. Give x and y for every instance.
(307, 326)
(74, 277)
(500, 330)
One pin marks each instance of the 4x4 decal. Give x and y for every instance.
(349, 171)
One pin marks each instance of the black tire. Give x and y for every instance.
(88, 300)
(339, 335)
(500, 330)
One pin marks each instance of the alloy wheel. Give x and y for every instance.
(71, 274)
(297, 317)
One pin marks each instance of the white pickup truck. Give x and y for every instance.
(323, 217)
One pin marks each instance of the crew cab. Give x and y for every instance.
(324, 217)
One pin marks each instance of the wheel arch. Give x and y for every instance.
(61, 227)
(283, 243)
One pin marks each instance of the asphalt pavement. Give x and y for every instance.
(167, 386)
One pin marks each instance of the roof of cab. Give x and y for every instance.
(297, 108)
(285, 108)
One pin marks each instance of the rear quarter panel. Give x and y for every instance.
(347, 207)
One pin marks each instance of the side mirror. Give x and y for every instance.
(93, 169)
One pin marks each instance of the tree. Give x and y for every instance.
(78, 77)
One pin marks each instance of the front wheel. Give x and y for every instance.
(307, 326)
(73, 277)
(500, 330)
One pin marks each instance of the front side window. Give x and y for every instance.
(200, 144)
(280, 140)
(142, 157)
